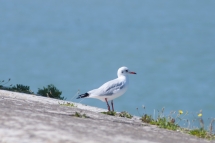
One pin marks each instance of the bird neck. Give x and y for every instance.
(124, 77)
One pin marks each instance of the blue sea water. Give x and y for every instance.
(79, 45)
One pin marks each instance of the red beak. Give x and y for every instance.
(132, 72)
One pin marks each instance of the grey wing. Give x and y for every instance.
(111, 88)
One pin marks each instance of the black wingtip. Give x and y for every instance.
(82, 95)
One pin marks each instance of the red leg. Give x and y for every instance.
(112, 105)
(107, 104)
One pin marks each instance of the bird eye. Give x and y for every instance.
(126, 70)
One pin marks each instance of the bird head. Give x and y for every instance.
(124, 71)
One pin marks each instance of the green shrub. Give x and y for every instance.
(17, 88)
(21, 88)
(50, 91)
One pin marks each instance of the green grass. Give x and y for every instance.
(201, 133)
(160, 122)
(170, 123)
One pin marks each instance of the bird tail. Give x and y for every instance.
(83, 95)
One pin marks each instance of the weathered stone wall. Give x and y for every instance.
(26, 118)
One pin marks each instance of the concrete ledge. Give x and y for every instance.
(26, 118)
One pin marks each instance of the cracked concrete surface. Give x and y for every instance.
(28, 118)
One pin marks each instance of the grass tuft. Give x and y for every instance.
(112, 113)
(160, 122)
(68, 104)
(201, 133)
(125, 115)
(79, 115)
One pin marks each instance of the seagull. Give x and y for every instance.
(111, 89)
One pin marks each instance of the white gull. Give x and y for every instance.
(111, 89)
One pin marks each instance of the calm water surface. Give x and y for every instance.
(79, 45)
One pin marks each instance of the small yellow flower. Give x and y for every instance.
(180, 111)
(200, 114)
